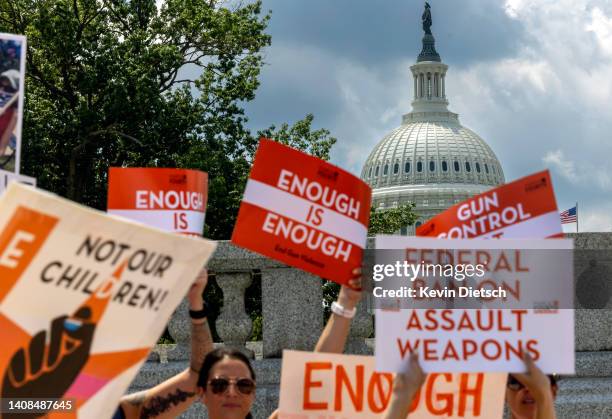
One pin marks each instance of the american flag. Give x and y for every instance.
(569, 216)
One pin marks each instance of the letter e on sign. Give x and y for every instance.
(20, 240)
(12, 253)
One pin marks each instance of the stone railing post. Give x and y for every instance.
(292, 310)
(179, 327)
(362, 328)
(234, 325)
(592, 277)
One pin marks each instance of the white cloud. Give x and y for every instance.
(595, 219)
(361, 105)
(565, 167)
(583, 174)
(544, 103)
(601, 26)
(513, 7)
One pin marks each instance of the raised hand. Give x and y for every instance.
(405, 386)
(194, 296)
(535, 380)
(407, 383)
(350, 295)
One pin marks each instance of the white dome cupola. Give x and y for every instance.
(430, 159)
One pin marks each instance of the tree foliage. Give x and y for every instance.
(123, 83)
(391, 220)
(300, 136)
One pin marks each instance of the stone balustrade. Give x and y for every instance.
(293, 319)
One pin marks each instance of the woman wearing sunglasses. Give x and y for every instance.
(172, 397)
(531, 395)
(226, 384)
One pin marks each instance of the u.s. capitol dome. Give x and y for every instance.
(430, 159)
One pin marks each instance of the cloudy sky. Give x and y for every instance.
(531, 77)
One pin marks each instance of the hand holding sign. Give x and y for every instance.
(350, 294)
(535, 380)
(194, 296)
(531, 394)
(405, 386)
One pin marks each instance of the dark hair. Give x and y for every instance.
(554, 378)
(218, 355)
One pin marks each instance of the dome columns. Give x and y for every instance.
(429, 86)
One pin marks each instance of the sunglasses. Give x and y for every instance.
(515, 385)
(245, 386)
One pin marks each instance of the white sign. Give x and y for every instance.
(491, 339)
(318, 385)
(83, 298)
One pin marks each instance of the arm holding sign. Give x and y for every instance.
(405, 387)
(531, 395)
(172, 397)
(333, 338)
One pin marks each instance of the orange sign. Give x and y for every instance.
(83, 298)
(304, 212)
(525, 208)
(169, 199)
(334, 386)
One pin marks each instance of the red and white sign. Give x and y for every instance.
(305, 212)
(322, 385)
(453, 340)
(525, 208)
(169, 199)
(83, 298)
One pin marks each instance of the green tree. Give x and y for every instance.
(391, 220)
(317, 143)
(228, 176)
(123, 83)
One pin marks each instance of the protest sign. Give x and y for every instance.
(304, 212)
(83, 298)
(491, 339)
(525, 208)
(7, 177)
(169, 199)
(335, 386)
(12, 80)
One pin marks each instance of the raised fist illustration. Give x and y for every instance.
(47, 367)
